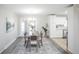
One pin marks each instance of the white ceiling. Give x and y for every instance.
(46, 8)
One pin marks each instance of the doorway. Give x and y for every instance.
(59, 30)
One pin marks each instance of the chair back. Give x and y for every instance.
(33, 37)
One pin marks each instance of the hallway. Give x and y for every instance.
(47, 48)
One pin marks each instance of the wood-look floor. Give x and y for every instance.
(61, 42)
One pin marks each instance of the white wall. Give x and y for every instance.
(73, 29)
(41, 21)
(7, 38)
(51, 25)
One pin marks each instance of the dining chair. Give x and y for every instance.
(33, 39)
(41, 37)
(25, 39)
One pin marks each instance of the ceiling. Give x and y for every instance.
(46, 8)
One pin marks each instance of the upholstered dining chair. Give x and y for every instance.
(33, 40)
(25, 39)
(41, 38)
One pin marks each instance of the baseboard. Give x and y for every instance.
(7, 45)
(69, 52)
(57, 37)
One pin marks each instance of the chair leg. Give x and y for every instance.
(29, 45)
(25, 43)
(41, 42)
(37, 46)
